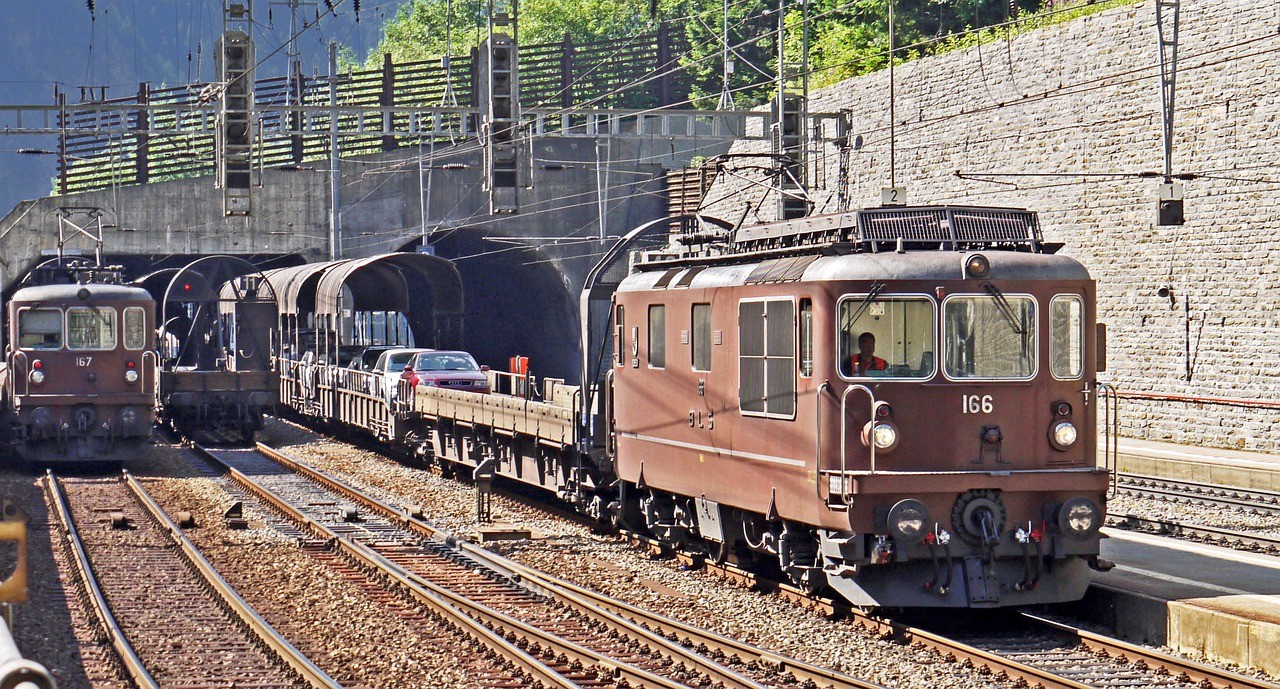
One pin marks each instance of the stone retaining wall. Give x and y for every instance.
(1083, 98)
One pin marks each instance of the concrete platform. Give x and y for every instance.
(1191, 597)
(1206, 465)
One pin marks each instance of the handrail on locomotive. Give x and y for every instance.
(844, 434)
(13, 375)
(1109, 399)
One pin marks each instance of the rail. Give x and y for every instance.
(596, 605)
(124, 650)
(954, 650)
(262, 629)
(1197, 673)
(1226, 538)
(465, 614)
(804, 673)
(1199, 492)
(878, 625)
(1110, 403)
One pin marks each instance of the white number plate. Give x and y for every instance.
(84, 360)
(973, 404)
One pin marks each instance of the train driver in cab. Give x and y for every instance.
(866, 359)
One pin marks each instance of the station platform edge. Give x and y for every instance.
(1218, 602)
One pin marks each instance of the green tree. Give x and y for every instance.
(847, 38)
(417, 32)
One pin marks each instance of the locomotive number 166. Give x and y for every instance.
(973, 404)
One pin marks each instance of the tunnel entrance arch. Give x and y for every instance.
(518, 302)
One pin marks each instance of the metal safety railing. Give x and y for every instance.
(1109, 401)
(16, 371)
(844, 443)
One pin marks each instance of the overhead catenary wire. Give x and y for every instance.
(1110, 76)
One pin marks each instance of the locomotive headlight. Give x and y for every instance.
(1064, 435)
(977, 266)
(1079, 518)
(885, 436)
(883, 433)
(131, 376)
(907, 519)
(37, 377)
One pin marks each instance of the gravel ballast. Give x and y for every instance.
(609, 565)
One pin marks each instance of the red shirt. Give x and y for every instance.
(877, 364)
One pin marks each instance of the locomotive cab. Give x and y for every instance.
(903, 412)
(80, 371)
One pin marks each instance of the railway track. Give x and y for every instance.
(1194, 492)
(604, 642)
(1043, 653)
(1240, 540)
(1039, 653)
(1178, 492)
(172, 620)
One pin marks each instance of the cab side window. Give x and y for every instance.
(620, 335)
(657, 336)
(701, 322)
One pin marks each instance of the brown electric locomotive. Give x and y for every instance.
(897, 403)
(80, 368)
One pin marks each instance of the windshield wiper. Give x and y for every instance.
(1005, 309)
(874, 292)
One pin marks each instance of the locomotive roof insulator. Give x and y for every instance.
(977, 266)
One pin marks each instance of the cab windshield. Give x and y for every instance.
(90, 328)
(40, 329)
(886, 337)
(991, 337)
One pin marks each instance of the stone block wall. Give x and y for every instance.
(1075, 111)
